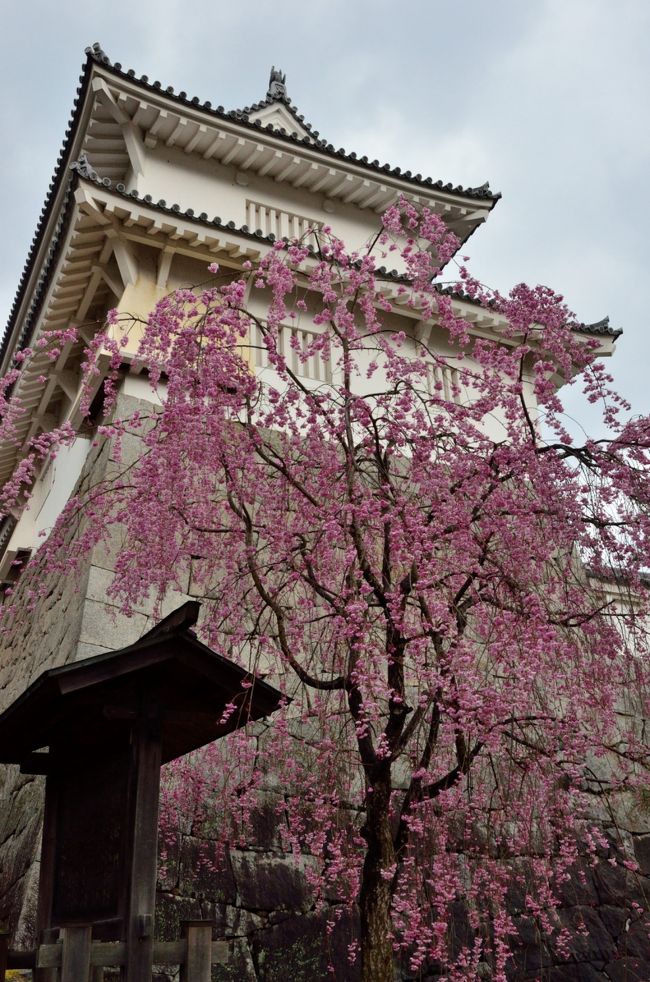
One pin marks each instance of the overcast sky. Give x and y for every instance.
(546, 99)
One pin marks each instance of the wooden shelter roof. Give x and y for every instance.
(88, 706)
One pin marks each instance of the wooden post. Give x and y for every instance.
(143, 857)
(4, 954)
(198, 959)
(44, 970)
(75, 958)
(48, 847)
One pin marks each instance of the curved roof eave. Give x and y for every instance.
(57, 188)
(240, 116)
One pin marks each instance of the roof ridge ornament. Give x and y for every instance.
(277, 85)
(96, 52)
(83, 167)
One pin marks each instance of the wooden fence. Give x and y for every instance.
(75, 957)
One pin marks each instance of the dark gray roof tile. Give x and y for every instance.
(602, 327)
(55, 184)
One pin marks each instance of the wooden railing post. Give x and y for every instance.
(198, 958)
(4, 953)
(75, 958)
(46, 955)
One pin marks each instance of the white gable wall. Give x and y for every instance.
(206, 186)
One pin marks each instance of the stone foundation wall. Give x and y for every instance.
(260, 902)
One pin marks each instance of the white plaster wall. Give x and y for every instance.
(49, 496)
(207, 186)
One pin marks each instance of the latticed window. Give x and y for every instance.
(292, 340)
(277, 221)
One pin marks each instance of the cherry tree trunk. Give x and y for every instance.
(377, 961)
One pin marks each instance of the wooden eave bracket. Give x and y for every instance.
(68, 382)
(126, 261)
(422, 332)
(179, 233)
(607, 346)
(102, 363)
(265, 144)
(88, 205)
(112, 284)
(164, 267)
(130, 132)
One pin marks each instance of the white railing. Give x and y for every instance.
(277, 221)
(444, 381)
(315, 367)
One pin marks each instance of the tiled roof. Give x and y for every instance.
(602, 327)
(96, 54)
(82, 169)
(58, 177)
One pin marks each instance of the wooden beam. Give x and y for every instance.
(329, 174)
(334, 192)
(87, 299)
(134, 148)
(108, 279)
(201, 130)
(382, 204)
(362, 188)
(309, 171)
(273, 159)
(164, 266)
(4, 954)
(75, 957)
(251, 157)
(197, 966)
(87, 206)
(130, 132)
(151, 136)
(105, 97)
(234, 150)
(146, 743)
(284, 173)
(68, 382)
(172, 139)
(375, 194)
(210, 151)
(126, 261)
(48, 958)
(140, 113)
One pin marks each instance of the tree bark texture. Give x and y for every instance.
(377, 961)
